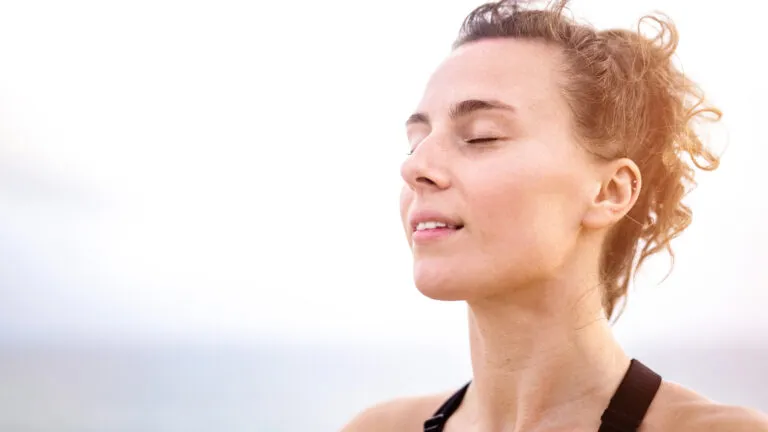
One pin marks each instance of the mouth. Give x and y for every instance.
(428, 232)
(435, 225)
(429, 225)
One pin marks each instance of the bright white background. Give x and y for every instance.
(229, 170)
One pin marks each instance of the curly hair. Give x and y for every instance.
(628, 99)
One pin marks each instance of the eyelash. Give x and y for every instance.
(482, 140)
(470, 141)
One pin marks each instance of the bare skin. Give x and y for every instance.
(674, 409)
(527, 209)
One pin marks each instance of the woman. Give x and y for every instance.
(548, 161)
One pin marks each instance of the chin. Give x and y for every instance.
(441, 292)
(442, 282)
(466, 280)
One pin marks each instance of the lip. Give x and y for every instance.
(454, 226)
(431, 216)
(431, 235)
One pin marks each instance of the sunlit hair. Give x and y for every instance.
(628, 99)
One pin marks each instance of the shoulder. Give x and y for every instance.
(680, 409)
(400, 415)
(712, 417)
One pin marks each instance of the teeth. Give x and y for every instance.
(429, 225)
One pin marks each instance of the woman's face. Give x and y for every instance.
(495, 164)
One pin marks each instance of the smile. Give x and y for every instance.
(431, 225)
(428, 232)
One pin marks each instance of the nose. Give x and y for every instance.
(426, 168)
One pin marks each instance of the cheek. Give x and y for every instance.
(406, 197)
(503, 216)
(528, 216)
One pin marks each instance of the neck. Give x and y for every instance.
(541, 360)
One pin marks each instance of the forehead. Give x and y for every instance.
(522, 73)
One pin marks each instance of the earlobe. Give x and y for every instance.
(617, 195)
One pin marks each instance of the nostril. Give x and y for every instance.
(427, 181)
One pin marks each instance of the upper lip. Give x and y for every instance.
(418, 217)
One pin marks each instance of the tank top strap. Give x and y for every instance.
(632, 399)
(625, 412)
(436, 423)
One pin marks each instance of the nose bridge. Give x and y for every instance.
(428, 165)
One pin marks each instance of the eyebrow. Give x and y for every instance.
(463, 108)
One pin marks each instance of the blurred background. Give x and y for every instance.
(199, 221)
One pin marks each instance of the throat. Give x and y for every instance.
(528, 369)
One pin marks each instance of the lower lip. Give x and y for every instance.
(433, 234)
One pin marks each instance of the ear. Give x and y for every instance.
(616, 193)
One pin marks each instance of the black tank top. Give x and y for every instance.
(625, 411)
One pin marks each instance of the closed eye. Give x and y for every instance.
(482, 140)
